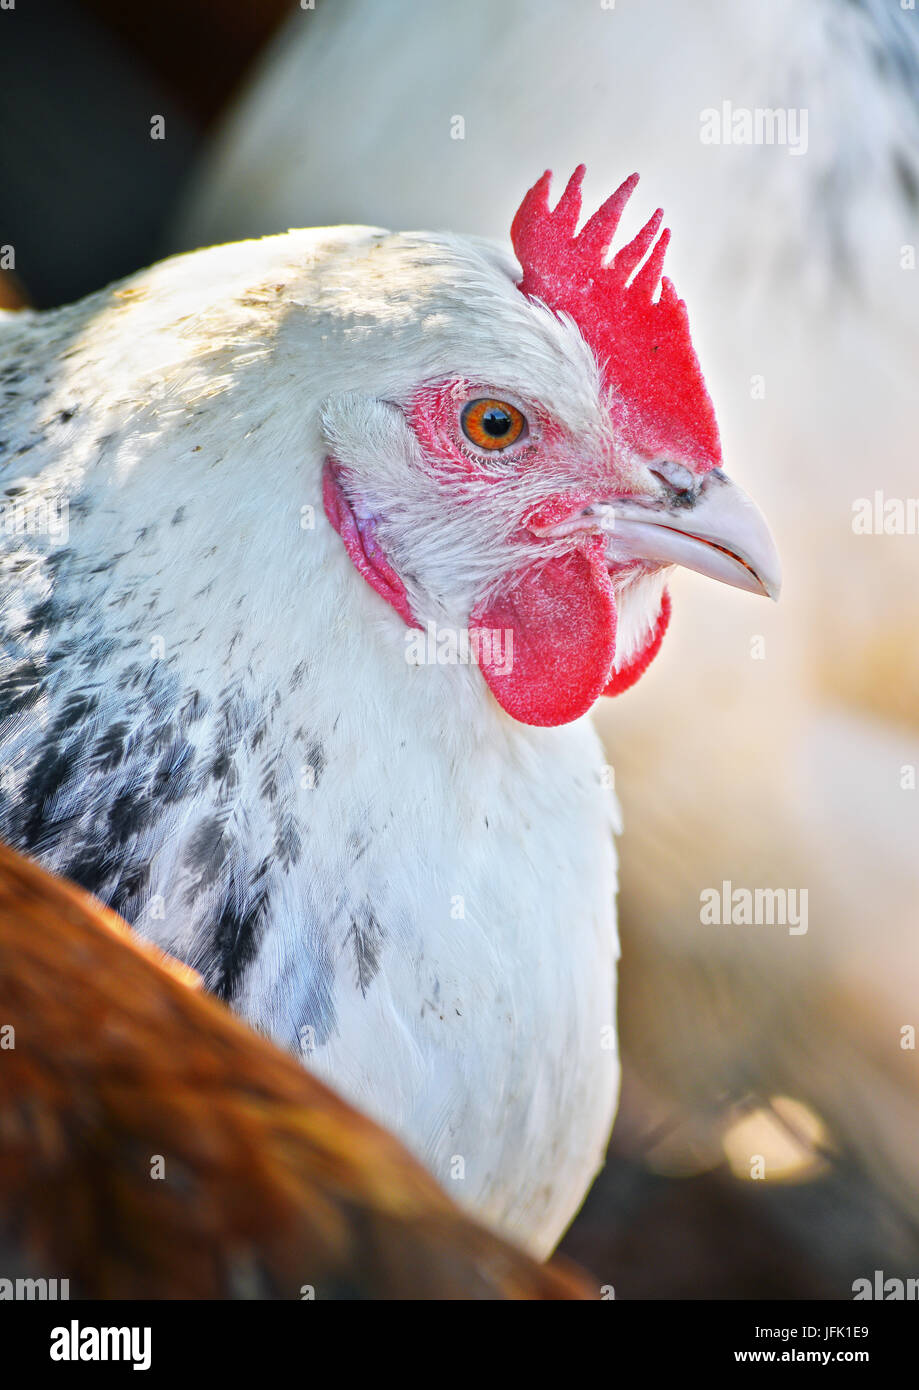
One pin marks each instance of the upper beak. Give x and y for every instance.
(720, 532)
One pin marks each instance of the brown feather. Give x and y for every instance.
(271, 1182)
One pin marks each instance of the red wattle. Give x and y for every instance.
(639, 664)
(558, 621)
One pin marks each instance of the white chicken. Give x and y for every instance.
(799, 258)
(392, 858)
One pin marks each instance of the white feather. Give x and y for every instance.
(440, 939)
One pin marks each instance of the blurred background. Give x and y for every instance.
(768, 1137)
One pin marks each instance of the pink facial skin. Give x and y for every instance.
(560, 611)
(361, 544)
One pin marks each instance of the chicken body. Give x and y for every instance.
(252, 491)
(154, 1147)
(210, 721)
(801, 254)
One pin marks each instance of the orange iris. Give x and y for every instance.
(491, 424)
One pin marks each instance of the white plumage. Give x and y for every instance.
(211, 720)
(779, 771)
(440, 889)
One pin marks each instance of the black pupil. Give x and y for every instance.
(496, 422)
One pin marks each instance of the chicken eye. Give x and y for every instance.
(490, 424)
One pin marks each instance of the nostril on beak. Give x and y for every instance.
(681, 486)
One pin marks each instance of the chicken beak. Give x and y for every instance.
(720, 532)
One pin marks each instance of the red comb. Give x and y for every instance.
(643, 346)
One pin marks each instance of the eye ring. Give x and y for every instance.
(491, 424)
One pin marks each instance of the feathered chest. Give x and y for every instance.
(375, 867)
